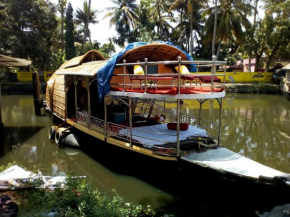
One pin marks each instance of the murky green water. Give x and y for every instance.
(256, 126)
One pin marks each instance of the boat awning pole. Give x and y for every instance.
(178, 128)
(130, 120)
(220, 121)
(105, 118)
(89, 106)
(76, 97)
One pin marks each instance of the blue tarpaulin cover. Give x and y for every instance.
(106, 72)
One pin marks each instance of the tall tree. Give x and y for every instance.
(214, 29)
(124, 18)
(181, 6)
(61, 8)
(70, 50)
(2, 15)
(31, 33)
(108, 49)
(231, 20)
(252, 33)
(85, 17)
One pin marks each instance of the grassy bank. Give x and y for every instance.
(75, 198)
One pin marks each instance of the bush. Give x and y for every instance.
(78, 198)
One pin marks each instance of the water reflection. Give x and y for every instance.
(26, 141)
(253, 125)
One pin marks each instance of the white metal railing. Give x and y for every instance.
(148, 77)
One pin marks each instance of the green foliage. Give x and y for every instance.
(3, 167)
(2, 15)
(70, 50)
(108, 49)
(29, 34)
(78, 198)
(123, 16)
(83, 18)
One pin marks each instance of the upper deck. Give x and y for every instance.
(165, 79)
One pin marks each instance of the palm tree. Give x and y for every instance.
(231, 17)
(61, 8)
(161, 18)
(123, 16)
(181, 6)
(84, 18)
(192, 22)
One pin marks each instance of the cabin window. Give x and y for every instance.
(71, 110)
(82, 104)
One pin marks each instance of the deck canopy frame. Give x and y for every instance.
(131, 103)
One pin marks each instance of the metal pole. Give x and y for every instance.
(179, 65)
(105, 119)
(213, 72)
(146, 74)
(124, 72)
(199, 115)
(178, 127)
(89, 106)
(130, 120)
(225, 70)
(66, 92)
(76, 98)
(220, 122)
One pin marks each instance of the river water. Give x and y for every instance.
(256, 126)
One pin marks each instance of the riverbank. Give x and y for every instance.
(266, 88)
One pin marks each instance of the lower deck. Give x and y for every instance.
(147, 136)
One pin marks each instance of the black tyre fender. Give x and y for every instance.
(59, 137)
(51, 134)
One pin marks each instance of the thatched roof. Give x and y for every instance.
(8, 61)
(85, 69)
(92, 55)
(154, 52)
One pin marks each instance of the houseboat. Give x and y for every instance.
(134, 101)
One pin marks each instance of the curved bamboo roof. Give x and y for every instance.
(90, 56)
(85, 69)
(153, 52)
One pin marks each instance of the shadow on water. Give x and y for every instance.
(14, 136)
(196, 191)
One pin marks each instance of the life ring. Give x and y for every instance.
(59, 137)
(51, 134)
(162, 117)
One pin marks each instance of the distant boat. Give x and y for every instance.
(123, 101)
